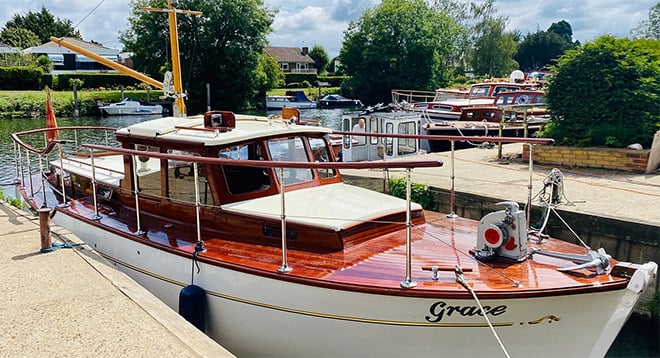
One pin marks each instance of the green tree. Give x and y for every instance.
(563, 29)
(268, 74)
(540, 49)
(19, 37)
(398, 44)
(460, 12)
(221, 47)
(493, 48)
(320, 57)
(43, 24)
(650, 28)
(615, 103)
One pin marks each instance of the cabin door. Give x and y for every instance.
(355, 148)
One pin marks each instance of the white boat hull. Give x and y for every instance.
(299, 105)
(258, 316)
(130, 107)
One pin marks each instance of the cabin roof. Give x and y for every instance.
(343, 206)
(247, 127)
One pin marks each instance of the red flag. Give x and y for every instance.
(51, 122)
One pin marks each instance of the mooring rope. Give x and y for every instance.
(460, 279)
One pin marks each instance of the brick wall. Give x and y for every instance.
(629, 160)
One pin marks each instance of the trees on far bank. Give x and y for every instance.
(492, 47)
(42, 24)
(650, 28)
(222, 47)
(614, 103)
(398, 44)
(320, 57)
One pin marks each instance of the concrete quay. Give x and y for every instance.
(71, 303)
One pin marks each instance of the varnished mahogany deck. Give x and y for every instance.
(375, 266)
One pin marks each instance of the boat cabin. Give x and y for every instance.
(361, 148)
(212, 161)
(510, 106)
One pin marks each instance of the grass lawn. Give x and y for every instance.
(15, 104)
(312, 93)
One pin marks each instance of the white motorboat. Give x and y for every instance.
(130, 107)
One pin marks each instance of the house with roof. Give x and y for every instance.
(292, 59)
(4, 48)
(66, 61)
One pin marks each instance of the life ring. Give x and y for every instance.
(523, 99)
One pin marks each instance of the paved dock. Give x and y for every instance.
(70, 303)
(624, 196)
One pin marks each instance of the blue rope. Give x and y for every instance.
(56, 245)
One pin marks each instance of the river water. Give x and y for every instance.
(639, 337)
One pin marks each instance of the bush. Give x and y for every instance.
(96, 80)
(419, 193)
(654, 306)
(606, 93)
(333, 81)
(17, 78)
(299, 77)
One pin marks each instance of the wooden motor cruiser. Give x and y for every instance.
(290, 261)
(244, 225)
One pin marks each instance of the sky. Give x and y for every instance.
(305, 23)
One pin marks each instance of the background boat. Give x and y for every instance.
(130, 107)
(338, 101)
(292, 99)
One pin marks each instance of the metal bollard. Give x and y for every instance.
(44, 230)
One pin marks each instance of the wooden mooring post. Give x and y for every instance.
(44, 230)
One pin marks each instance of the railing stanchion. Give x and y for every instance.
(530, 165)
(285, 267)
(29, 168)
(500, 133)
(197, 203)
(18, 164)
(43, 182)
(136, 194)
(59, 146)
(408, 282)
(96, 204)
(452, 213)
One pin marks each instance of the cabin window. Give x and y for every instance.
(504, 89)
(321, 154)
(407, 145)
(359, 125)
(389, 141)
(442, 107)
(479, 91)
(373, 127)
(148, 171)
(290, 150)
(240, 179)
(181, 180)
(284, 66)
